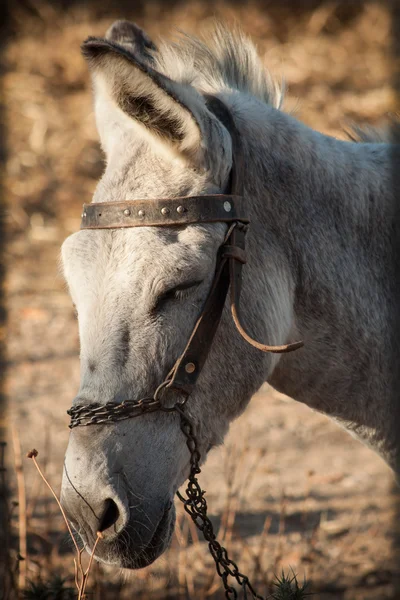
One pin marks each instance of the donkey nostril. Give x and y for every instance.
(110, 515)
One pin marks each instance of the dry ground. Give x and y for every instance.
(326, 504)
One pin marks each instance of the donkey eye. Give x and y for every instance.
(178, 292)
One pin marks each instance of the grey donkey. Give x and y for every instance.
(323, 266)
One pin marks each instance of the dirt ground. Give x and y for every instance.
(289, 489)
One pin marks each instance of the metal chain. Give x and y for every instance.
(101, 414)
(196, 506)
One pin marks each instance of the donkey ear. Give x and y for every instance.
(133, 38)
(123, 81)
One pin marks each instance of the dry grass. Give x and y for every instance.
(282, 494)
(191, 573)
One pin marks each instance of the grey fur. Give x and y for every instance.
(323, 266)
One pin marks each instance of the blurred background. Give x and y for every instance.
(289, 490)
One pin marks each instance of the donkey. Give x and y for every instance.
(323, 260)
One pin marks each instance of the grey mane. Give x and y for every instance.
(223, 60)
(226, 59)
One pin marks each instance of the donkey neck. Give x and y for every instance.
(330, 207)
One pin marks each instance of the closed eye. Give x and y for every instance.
(178, 292)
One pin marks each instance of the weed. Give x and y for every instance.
(287, 587)
(55, 589)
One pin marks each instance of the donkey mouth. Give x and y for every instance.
(126, 551)
(157, 545)
(138, 558)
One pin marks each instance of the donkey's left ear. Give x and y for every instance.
(168, 110)
(133, 38)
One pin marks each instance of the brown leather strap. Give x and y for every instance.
(229, 251)
(190, 363)
(164, 212)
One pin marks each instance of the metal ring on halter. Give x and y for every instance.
(163, 385)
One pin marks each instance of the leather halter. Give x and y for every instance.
(228, 208)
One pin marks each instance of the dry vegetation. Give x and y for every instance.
(289, 489)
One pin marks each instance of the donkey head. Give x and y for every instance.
(138, 293)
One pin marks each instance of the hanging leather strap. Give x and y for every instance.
(190, 363)
(237, 240)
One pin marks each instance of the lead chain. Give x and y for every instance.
(195, 505)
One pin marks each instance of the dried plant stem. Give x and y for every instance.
(81, 576)
(21, 509)
(98, 581)
(33, 454)
(189, 583)
(259, 554)
(86, 574)
(230, 519)
(181, 529)
(194, 532)
(78, 569)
